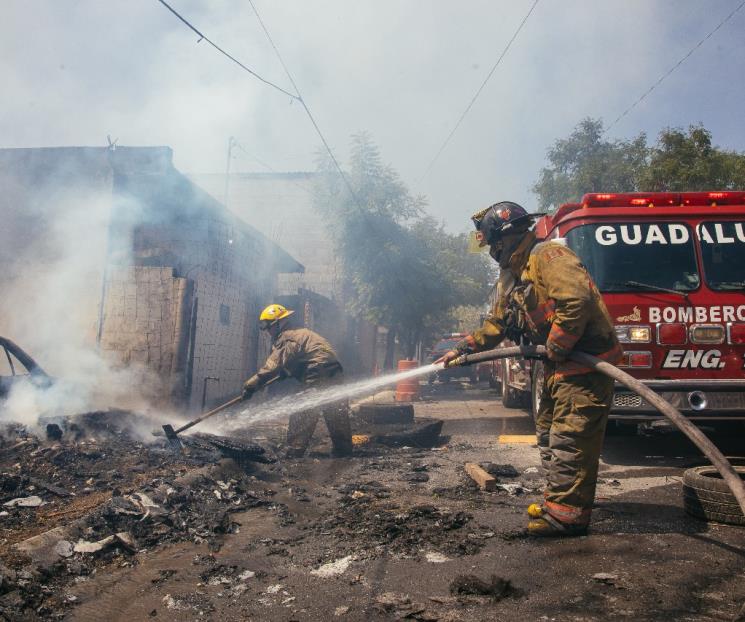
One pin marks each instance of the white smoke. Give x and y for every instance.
(50, 308)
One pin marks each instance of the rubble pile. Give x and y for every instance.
(93, 492)
(365, 524)
(86, 458)
(171, 510)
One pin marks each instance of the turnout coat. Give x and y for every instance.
(547, 295)
(302, 354)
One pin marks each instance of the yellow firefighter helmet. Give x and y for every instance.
(273, 313)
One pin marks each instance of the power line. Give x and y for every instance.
(296, 96)
(478, 91)
(299, 97)
(674, 67)
(224, 53)
(395, 276)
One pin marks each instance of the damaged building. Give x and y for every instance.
(172, 287)
(281, 206)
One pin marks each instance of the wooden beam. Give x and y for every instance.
(481, 477)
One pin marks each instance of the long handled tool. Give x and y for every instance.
(729, 475)
(172, 435)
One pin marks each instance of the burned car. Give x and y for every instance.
(16, 366)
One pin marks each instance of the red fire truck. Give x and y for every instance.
(671, 268)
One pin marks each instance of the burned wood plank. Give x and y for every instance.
(481, 477)
(230, 447)
(423, 434)
(56, 490)
(386, 414)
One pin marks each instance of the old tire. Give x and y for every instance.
(707, 496)
(511, 398)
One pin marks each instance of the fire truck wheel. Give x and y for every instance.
(707, 496)
(511, 398)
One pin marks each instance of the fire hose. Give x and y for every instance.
(698, 438)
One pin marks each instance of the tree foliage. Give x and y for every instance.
(401, 269)
(680, 160)
(684, 161)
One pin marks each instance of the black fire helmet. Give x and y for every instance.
(496, 220)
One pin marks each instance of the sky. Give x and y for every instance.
(75, 71)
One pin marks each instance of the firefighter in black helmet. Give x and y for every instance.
(545, 294)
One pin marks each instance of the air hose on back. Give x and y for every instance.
(698, 438)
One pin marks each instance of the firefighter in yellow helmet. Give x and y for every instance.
(546, 295)
(309, 358)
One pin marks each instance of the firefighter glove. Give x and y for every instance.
(250, 387)
(446, 358)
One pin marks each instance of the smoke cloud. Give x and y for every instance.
(404, 71)
(49, 307)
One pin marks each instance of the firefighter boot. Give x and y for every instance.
(536, 510)
(340, 431)
(299, 433)
(548, 527)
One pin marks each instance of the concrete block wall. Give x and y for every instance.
(280, 205)
(144, 323)
(220, 340)
(233, 281)
(163, 246)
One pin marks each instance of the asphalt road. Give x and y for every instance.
(368, 538)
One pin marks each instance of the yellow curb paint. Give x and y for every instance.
(528, 439)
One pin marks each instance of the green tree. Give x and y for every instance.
(400, 268)
(679, 161)
(685, 161)
(587, 162)
(463, 279)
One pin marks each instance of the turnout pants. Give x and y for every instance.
(336, 415)
(570, 429)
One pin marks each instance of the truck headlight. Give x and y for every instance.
(634, 334)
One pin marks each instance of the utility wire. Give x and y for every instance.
(478, 91)
(674, 67)
(299, 97)
(224, 53)
(296, 96)
(394, 273)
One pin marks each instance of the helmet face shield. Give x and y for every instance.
(476, 243)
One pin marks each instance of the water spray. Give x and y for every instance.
(316, 398)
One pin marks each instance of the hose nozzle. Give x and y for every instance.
(458, 360)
